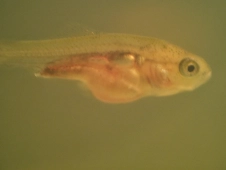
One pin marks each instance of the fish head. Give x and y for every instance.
(176, 72)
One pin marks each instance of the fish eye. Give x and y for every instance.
(188, 67)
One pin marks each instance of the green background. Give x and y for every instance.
(55, 124)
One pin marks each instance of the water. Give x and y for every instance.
(54, 124)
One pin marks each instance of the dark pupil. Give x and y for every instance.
(191, 68)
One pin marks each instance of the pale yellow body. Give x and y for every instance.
(116, 67)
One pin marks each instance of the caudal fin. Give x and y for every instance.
(3, 57)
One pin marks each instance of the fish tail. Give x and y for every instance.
(3, 59)
(3, 56)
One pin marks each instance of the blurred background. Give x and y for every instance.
(54, 124)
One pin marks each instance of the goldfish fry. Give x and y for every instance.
(117, 68)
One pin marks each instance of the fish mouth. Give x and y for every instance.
(207, 75)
